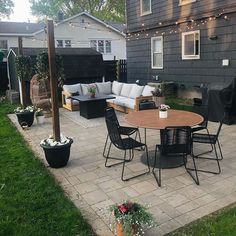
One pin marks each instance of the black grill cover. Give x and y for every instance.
(221, 98)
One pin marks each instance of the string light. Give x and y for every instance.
(178, 26)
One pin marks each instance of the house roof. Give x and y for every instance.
(110, 26)
(19, 28)
(60, 51)
(119, 26)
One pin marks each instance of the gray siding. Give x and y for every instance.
(207, 69)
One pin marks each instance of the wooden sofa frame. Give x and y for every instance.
(72, 107)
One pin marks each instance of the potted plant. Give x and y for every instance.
(57, 153)
(24, 73)
(158, 97)
(25, 116)
(92, 90)
(39, 114)
(131, 218)
(163, 111)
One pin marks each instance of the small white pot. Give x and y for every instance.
(40, 119)
(163, 114)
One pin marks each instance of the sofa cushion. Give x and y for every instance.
(126, 88)
(124, 101)
(85, 89)
(69, 101)
(116, 87)
(104, 88)
(147, 91)
(136, 91)
(73, 88)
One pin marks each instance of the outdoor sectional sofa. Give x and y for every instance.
(127, 96)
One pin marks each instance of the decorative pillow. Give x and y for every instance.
(136, 91)
(116, 87)
(84, 89)
(104, 88)
(73, 88)
(147, 91)
(126, 88)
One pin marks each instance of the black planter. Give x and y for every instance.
(25, 118)
(57, 156)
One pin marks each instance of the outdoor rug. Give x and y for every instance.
(86, 123)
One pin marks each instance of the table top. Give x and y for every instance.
(150, 119)
(87, 98)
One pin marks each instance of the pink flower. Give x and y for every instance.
(123, 208)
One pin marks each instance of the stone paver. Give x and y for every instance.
(93, 188)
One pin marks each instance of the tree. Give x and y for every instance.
(108, 10)
(6, 7)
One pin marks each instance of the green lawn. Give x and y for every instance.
(31, 203)
(222, 223)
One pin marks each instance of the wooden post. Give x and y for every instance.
(22, 82)
(53, 80)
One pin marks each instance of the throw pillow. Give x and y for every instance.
(116, 87)
(136, 91)
(125, 91)
(147, 91)
(104, 88)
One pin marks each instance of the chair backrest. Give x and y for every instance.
(176, 139)
(202, 110)
(111, 115)
(113, 128)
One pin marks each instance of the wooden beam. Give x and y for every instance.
(22, 82)
(53, 80)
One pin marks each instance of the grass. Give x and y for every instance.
(31, 203)
(221, 223)
(179, 103)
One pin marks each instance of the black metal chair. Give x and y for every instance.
(127, 144)
(213, 140)
(124, 130)
(175, 141)
(203, 111)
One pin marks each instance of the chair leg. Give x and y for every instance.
(104, 149)
(123, 167)
(221, 155)
(189, 170)
(114, 158)
(158, 178)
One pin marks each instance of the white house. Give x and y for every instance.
(79, 31)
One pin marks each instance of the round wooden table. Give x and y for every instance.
(149, 119)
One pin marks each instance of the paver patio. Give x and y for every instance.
(93, 188)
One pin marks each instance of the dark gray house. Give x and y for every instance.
(191, 42)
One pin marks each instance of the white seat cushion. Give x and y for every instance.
(73, 88)
(104, 88)
(136, 91)
(85, 89)
(74, 102)
(126, 88)
(124, 101)
(116, 87)
(147, 91)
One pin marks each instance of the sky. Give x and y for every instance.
(22, 12)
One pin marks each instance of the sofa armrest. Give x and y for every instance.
(140, 99)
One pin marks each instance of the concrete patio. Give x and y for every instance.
(93, 188)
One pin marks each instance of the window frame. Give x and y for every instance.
(194, 56)
(61, 40)
(142, 13)
(67, 45)
(104, 45)
(186, 2)
(162, 52)
(5, 50)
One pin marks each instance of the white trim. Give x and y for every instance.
(23, 35)
(146, 12)
(88, 15)
(190, 57)
(185, 2)
(152, 40)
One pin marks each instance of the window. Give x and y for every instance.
(146, 7)
(67, 43)
(102, 46)
(4, 46)
(157, 52)
(191, 45)
(108, 46)
(184, 2)
(59, 43)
